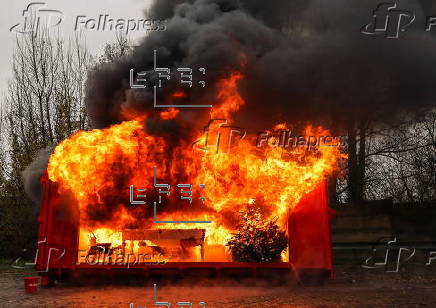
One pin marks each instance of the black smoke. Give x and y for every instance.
(306, 61)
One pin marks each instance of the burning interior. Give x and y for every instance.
(128, 192)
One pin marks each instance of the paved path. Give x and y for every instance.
(352, 288)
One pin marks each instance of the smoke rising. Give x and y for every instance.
(32, 174)
(306, 61)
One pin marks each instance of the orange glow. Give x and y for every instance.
(179, 94)
(229, 97)
(98, 167)
(170, 114)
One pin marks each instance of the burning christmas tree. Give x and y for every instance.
(257, 241)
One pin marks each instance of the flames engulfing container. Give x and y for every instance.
(310, 253)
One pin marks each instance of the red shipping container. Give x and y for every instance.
(308, 229)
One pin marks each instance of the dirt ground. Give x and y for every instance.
(353, 287)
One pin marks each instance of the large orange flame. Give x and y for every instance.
(100, 165)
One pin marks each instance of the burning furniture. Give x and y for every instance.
(310, 253)
(180, 240)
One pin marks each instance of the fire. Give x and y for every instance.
(170, 114)
(99, 166)
(229, 97)
(179, 94)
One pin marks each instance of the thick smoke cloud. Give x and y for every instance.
(198, 35)
(306, 61)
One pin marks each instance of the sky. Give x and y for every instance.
(11, 13)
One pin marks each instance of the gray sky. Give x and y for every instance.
(12, 10)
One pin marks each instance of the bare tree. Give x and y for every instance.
(45, 100)
(120, 48)
(44, 105)
(398, 161)
(403, 161)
